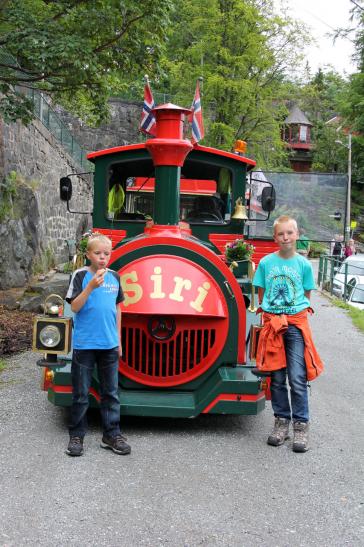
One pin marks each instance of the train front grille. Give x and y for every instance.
(185, 353)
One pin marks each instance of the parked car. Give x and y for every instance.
(356, 292)
(355, 267)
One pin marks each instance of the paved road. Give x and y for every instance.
(206, 482)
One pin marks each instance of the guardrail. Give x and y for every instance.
(45, 113)
(49, 118)
(329, 266)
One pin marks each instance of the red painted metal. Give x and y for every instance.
(216, 152)
(151, 240)
(262, 246)
(220, 240)
(243, 398)
(68, 389)
(187, 186)
(115, 235)
(193, 348)
(129, 147)
(115, 150)
(179, 231)
(178, 285)
(45, 381)
(169, 147)
(170, 119)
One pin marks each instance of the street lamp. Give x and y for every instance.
(348, 196)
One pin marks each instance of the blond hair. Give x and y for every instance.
(282, 219)
(98, 238)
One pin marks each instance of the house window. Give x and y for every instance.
(303, 133)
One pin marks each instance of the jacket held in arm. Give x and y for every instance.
(271, 353)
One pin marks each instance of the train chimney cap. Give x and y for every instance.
(171, 107)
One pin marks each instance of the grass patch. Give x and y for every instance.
(356, 315)
(2, 365)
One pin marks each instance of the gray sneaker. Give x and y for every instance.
(75, 446)
(117, 444)
(280, 432)
(300, 439)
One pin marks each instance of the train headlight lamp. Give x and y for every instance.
(53, 305)
(52, 331)
(50, 336)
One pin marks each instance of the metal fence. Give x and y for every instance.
(340, 278)
(49, 118)
(44, 112)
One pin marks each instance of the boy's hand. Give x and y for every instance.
(98, 278)
(120, 350)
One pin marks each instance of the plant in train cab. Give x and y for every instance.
(238, 250)
(79, 259)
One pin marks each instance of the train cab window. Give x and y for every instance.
(130, 195)
(200, 202)
(206, 208)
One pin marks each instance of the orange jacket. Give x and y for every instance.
(271, 354)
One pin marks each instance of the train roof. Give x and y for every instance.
(92, 156)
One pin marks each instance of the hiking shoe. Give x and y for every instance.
(300, 439)
(280, 432)
(117, 444)
(75, 446)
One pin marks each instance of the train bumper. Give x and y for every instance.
(230, 390)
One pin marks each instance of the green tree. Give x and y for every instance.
(77, 51)
(243, 52)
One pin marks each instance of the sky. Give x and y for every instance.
(322, 16)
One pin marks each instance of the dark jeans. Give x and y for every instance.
(297, 378)
(83, 362)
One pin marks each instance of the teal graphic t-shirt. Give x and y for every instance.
(284, 281)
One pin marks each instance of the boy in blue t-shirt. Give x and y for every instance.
(285, 280)
(95, 294)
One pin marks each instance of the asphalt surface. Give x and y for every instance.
(206, 482)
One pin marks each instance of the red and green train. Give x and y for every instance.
(185, 318)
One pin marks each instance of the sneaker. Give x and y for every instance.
(75, 446)
(117, 444)
(300, 439)
(280, 432)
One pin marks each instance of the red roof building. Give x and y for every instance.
(296, 133)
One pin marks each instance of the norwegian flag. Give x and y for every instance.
(198, 131)
(148, 123)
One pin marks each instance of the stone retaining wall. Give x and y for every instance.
(37, 227)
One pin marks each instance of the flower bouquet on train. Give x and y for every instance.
(238, 250)
(238, 254)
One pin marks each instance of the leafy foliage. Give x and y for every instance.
(243, 52)
(78, 51)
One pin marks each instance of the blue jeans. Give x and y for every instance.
(297, 378)
(83, 362)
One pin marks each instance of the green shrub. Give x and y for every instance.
(317, 249)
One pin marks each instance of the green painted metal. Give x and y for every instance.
(167, 194)
(136, 227)
(181, 404)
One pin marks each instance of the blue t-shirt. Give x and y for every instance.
(95, 324)
(284, 281)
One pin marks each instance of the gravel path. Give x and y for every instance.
(211, 481)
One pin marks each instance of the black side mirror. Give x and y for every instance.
(65, 188)
(268, 199)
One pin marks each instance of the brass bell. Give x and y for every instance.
(239, 211)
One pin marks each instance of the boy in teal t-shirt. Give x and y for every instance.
(285, 280)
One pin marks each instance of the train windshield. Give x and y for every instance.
(132, 198)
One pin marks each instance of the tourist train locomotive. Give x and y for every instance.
(166, 205)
